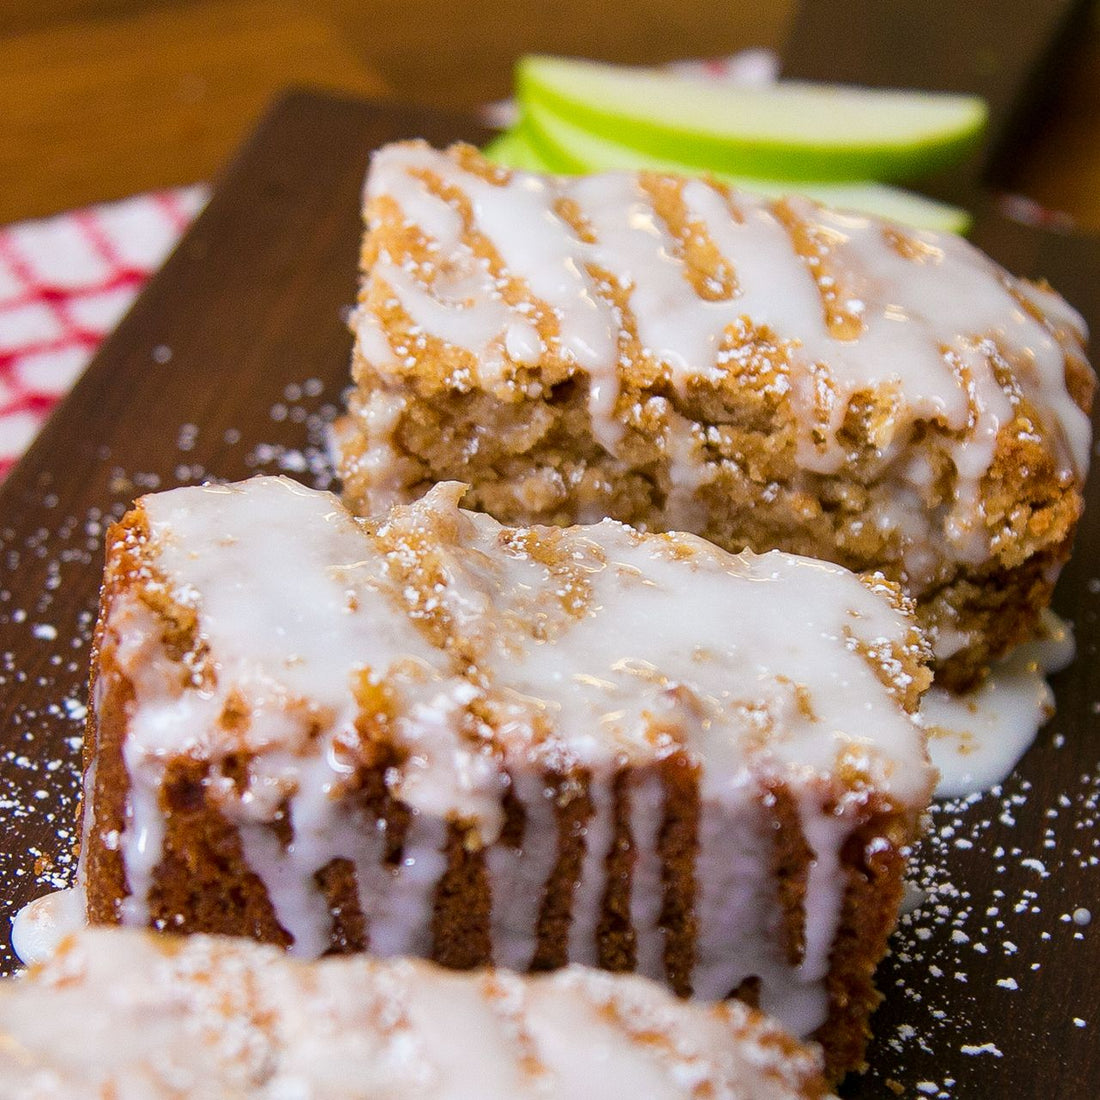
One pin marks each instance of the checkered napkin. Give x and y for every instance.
(64, 284)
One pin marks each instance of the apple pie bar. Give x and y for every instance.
(429, 734)
(132, 1015)
(768, 374)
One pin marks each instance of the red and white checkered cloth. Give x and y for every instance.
(64, 284)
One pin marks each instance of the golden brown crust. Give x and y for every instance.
(203, 882)
(874, 870)
(337, 882)
(616, 941)
(462, 905)
(104, 871)
(678, 845)
(103, 807)
(790, 865)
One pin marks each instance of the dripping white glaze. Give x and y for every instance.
(976, 739)
(518, 874)
(41, 925)
(588, 895)
(646, 889)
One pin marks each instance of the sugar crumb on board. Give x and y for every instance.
(39, 791)
(968, 929)
(309, 460)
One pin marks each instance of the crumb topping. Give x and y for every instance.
(716, 341)
(694, 258)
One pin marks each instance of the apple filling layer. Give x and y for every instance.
(769, 374)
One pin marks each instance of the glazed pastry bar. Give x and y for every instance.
(682, 356)
(429, 734)
(129, 1014)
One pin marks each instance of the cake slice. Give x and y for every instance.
(769, 374)
(429, 734)
(129, 1014)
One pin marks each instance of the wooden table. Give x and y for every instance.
(103, 98)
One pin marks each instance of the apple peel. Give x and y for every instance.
(544, 142)
(789, 131)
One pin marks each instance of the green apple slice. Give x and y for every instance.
(780, 131)
(514, 149)
(555, 145)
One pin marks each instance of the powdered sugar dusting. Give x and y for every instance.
(308, 462)
(972, 963)
(43, 665)
(45, 642)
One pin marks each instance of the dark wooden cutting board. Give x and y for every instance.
(231, 362)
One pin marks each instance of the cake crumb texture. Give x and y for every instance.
(683, 356)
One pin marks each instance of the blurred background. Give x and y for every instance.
(99, 100)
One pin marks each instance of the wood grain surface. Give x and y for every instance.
(231, 362)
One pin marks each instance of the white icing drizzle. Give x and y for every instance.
(646, 894)
(687, 473)
(737, 908)
(530, 238)
(932, 318)
(601, 650)
(123, 1014)
(444, 775)
(288, 877)
(372, 337)
(142, 837)
(953, 292)
(403, 907)
(40, 926)
(378, 414)
(518, 875)
(825, 833)
(599, 834)
(975, 740)
(694, 642)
